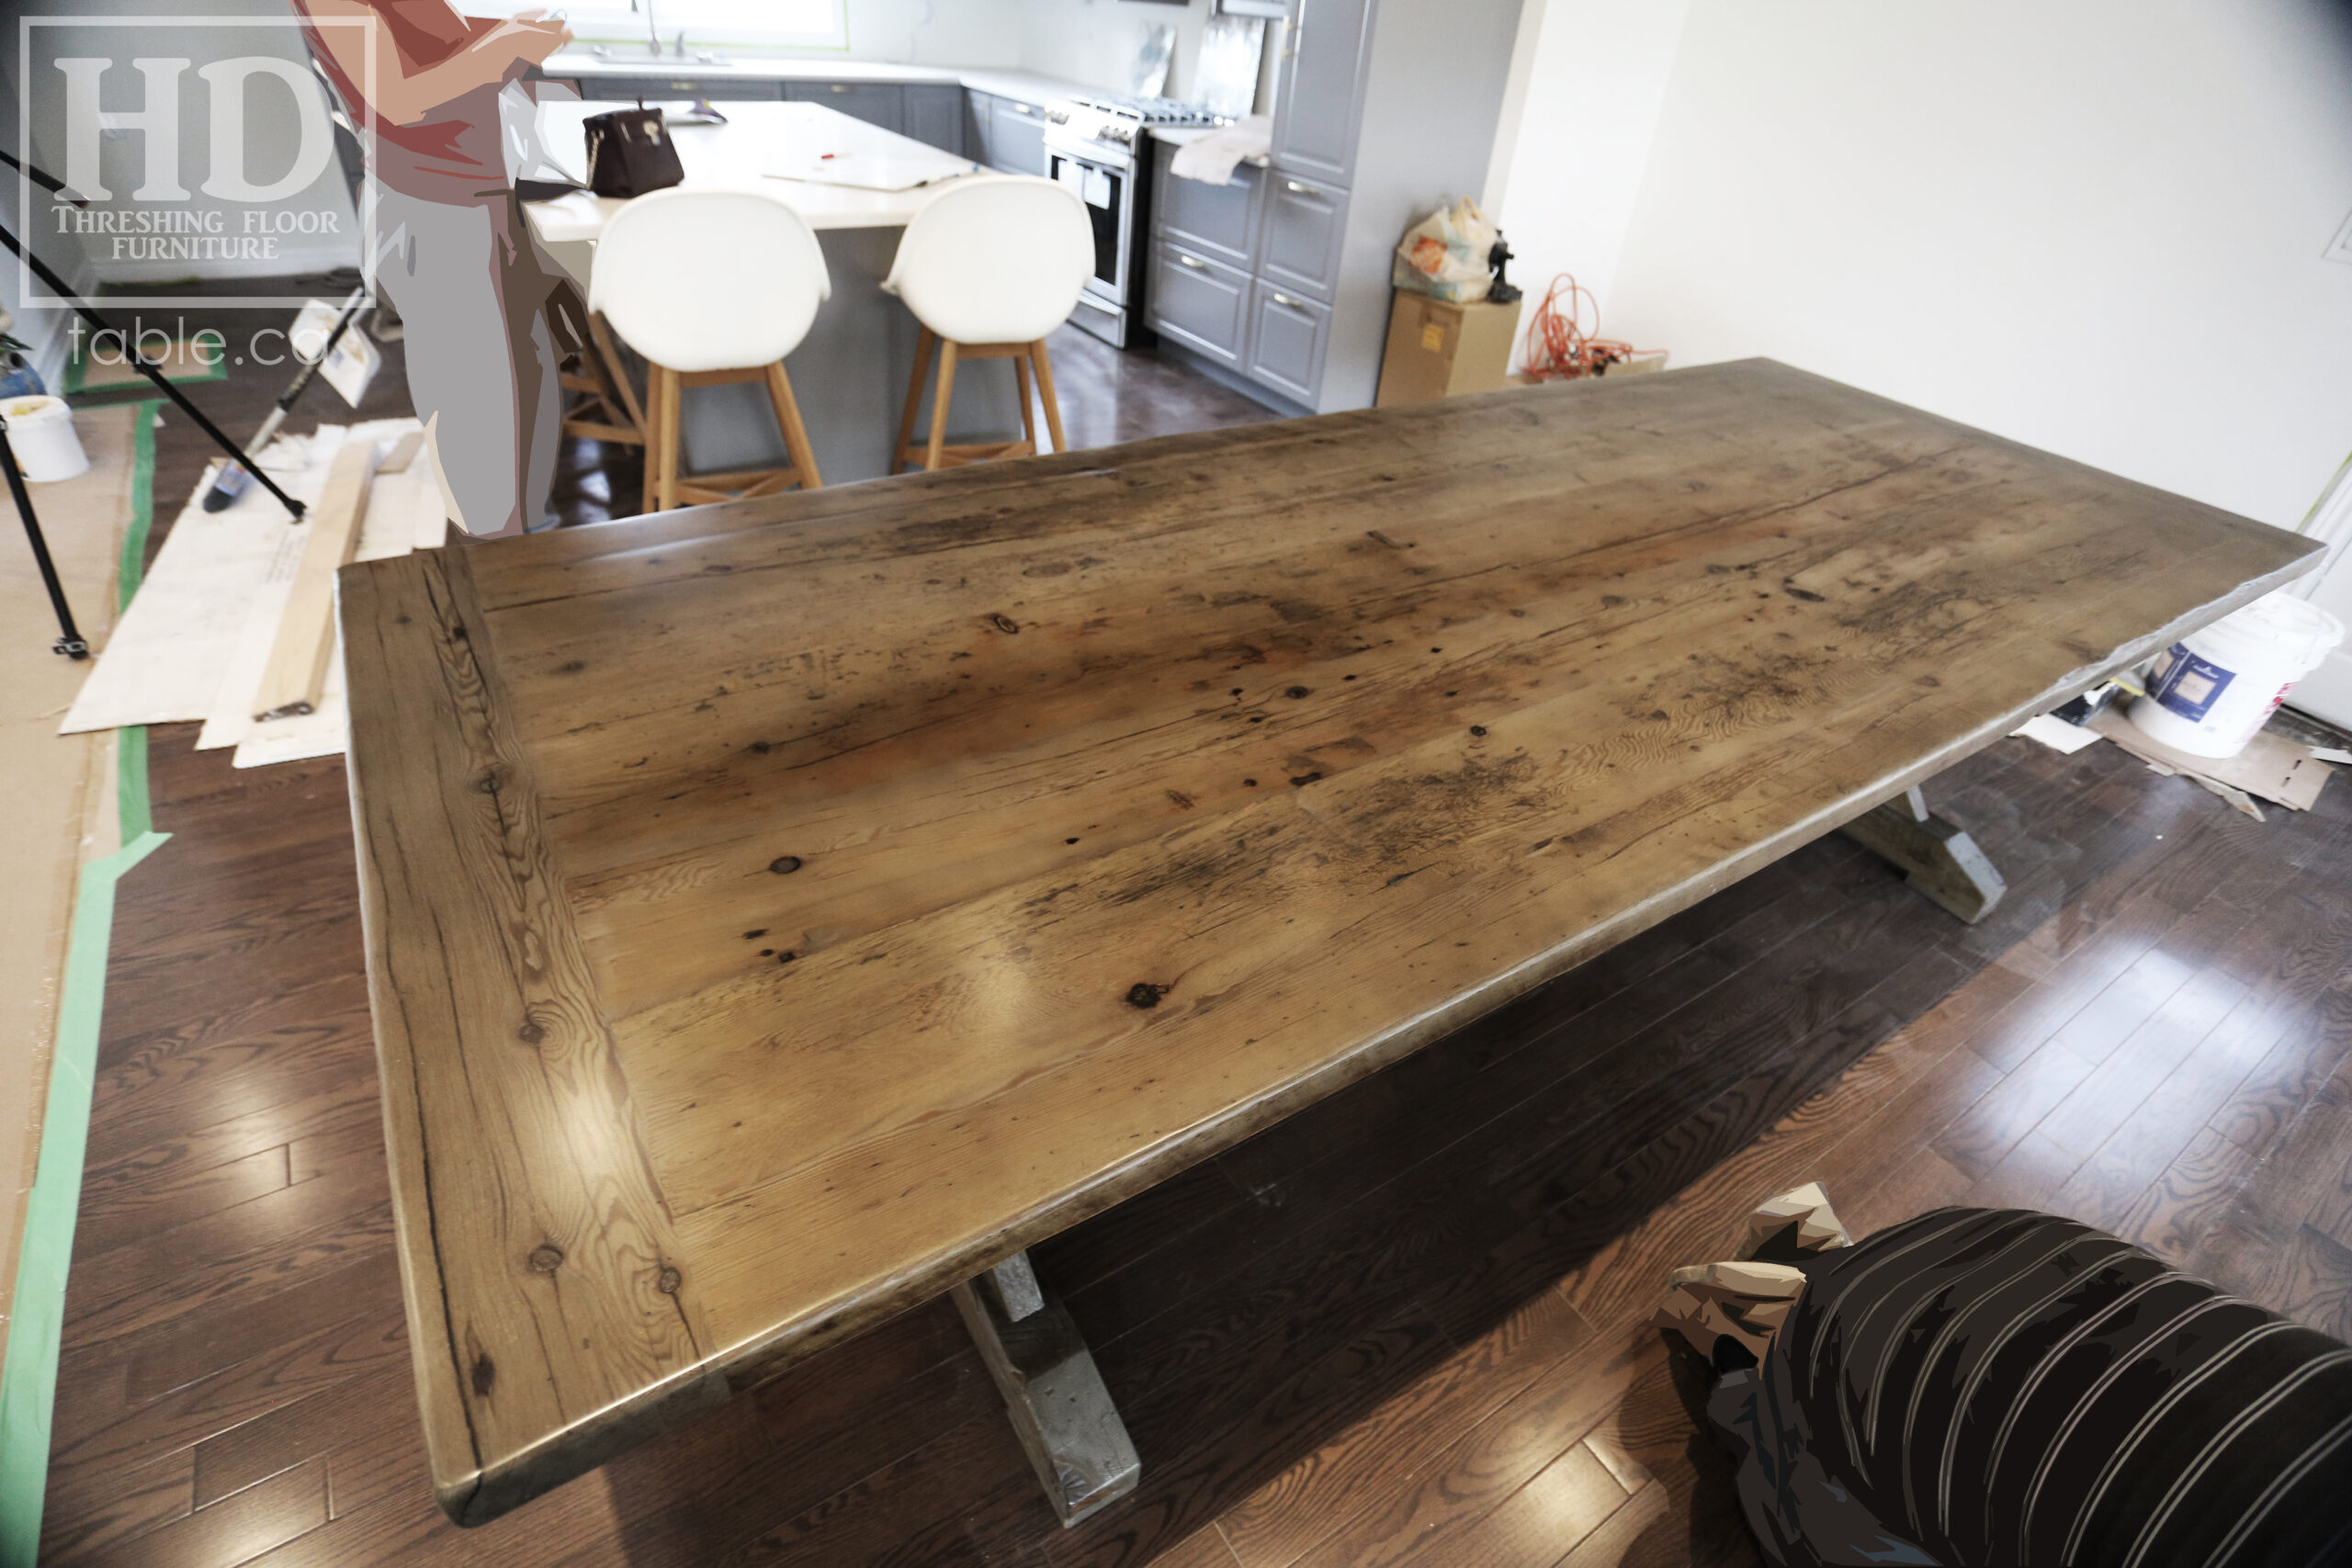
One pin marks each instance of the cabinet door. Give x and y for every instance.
(1197, 302)
(1321, 88)
(1288, 333)
(1017, 137)
(979, 128)
(935, 116)
(670, 89)
(876, 103)
(1304, 223)
(1220, 221)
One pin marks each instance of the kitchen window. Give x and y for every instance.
(709, 24)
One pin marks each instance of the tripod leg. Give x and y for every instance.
(69, 638)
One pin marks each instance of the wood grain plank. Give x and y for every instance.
(558, 1236)
(943, 863)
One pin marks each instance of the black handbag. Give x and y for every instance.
(630, 153)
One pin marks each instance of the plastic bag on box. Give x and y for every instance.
(1445, 254)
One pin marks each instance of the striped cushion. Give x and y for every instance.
(2009, 1387)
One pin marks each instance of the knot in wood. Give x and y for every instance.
(1005, 623)
(1296, 692)
(1144, 994)
(668, 1282)
(532, 1032)
(546, 1259)
(488, 783)
(785, 865)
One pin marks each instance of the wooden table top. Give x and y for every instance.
(777, 912)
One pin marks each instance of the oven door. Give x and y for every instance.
(1107, 187)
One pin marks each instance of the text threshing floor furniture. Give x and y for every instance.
(781, 914)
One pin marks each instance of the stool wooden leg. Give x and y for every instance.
(662, 461)
(1028, 414)
(796, 434)
(923, 340)
(1045, 390)
(939, 403)
(615, 371)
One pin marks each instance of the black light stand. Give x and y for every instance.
(69, 641)
(152, 372)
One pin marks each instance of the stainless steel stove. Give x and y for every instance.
(1100, 146)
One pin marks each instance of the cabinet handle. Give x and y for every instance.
(1281, 298)
(1193, 262)
(1024, 108)
(841, 86)
(1298, 190)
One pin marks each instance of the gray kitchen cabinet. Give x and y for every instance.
(1016, 137)
(1216, 220)
(876, 103)
(1299, 248)
(1199, 302)
(1385, 111)
(1320, 87)
(1288, 336)
(935, 115)
(669, 89)
(979, 127)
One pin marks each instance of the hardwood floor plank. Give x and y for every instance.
(2171, 1216)
(2113, 1095)
(124, 1210)
(309, 1426)
(81, 1455)
(233, 1530)
(1982, 1135)
(136, 1499)
(1275, 1525)
(260, 1246)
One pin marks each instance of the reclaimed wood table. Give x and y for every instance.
(783, 913)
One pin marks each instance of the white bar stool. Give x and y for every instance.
(712, 286)
(989, 267)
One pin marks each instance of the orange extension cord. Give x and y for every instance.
(1558, 347)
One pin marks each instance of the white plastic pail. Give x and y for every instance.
(40, 430)
(2212, 690)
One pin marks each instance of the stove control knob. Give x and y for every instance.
(1060, 116)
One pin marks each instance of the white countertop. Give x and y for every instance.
(1003, 80)
(758, 142)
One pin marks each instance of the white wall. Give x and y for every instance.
(2095, 227)
(1589, 78)
(1094, 41)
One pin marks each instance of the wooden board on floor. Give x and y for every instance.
(780, 912)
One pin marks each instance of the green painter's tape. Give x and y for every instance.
(28, 1380)
(29, 1376)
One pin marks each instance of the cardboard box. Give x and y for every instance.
(1441, 350)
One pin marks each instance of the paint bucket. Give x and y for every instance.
(40, 430)
(2213, 689)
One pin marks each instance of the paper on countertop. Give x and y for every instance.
(1210, 159)
(875, 171)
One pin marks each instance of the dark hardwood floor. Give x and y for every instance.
(1404, 1328)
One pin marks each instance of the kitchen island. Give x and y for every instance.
(851, 372)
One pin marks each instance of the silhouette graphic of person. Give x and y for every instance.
(454, 252)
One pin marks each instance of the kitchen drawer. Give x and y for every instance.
(669, 89)
(876, 103)
(1215, 220)
(1017, 137)
(935, 115)
(1197, 301)
(1299, 249)
(1287, 335)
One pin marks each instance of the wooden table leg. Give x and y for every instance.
(1060, 1409)
(1936, 857)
